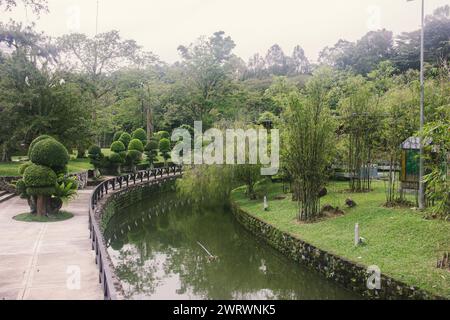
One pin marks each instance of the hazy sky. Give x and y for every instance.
(161, 25)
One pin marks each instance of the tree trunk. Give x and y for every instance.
(41, 205)
(6, 157)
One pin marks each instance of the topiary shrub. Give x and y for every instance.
(94, 151)
(141, 135)
(136, 144)
(117, 136)
(125, 138)
(151, 151)
(118, 147)
(163, 135)
(35, 141)
(24, 166)
(21, 188)
(39, 176)
(40, 184)
(164, 147)
(116, 160)
(133, 158)
(96, 156)
(50, 153)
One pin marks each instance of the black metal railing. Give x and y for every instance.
(98, 244)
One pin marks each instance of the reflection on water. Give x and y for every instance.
(157, 256)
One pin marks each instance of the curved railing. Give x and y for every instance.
(98, 243)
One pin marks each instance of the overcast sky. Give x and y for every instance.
(161, 25)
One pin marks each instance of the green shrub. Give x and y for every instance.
(134, 156)
(117, 136)
(136, 144)
(163, 135)
(117, 147)
(36, 176)
(140, 134)
(151, 150)
(164, 147)
(24, 166)
(35, 141)
(50, 153)
(94, 151)
(21, 188)
(116, 158)
(125, 138)
(41, 191)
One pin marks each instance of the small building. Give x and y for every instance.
(410, 163)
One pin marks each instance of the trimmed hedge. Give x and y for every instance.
(24, 167)
(95, 151)
(117, 147)
(50, 153)
(116, 158)
(36, 176)
(117, 136)
(141, 135)
(125, 138)
(136, 144)
(134, 156)
(35, 141)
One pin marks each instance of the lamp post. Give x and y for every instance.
(422, 115)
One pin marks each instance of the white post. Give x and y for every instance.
(266, 205)
(357, 234)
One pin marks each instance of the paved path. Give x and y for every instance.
(43, 260)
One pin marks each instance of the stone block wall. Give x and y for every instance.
(350, 275)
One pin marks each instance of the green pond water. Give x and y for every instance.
(157, 254)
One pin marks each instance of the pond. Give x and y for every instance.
(162, 253)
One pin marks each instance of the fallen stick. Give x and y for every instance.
(211, 257)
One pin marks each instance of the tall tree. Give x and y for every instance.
(299, 61)
(276, 61)
(310, 144)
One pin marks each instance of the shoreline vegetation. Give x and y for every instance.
(400, 241)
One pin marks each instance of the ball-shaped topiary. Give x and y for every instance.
(21, 188)
(35, 141)
(134, 156)
(117, 147)
(163, 135)
(125, 138)
(152, 145)
(136, 144)
(95, 151)
(50, 153)
(24, 167)
(117, 135)
(116, 158)
(36, 176)
(164, 147)
(141, 135)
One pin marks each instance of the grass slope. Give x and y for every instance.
(399, 241)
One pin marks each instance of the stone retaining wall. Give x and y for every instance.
(128, 196)
(350, 275)
(6, 183)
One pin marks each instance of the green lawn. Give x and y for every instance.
(399, 241)
(27, 217)
(11, 169)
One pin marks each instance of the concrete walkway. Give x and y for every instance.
(51, 261)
